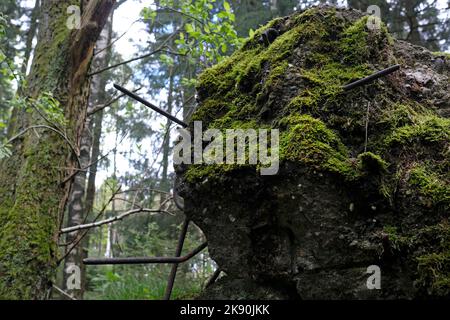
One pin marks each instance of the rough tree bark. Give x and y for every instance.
(32, 192)
(30, 36)
(77, 208)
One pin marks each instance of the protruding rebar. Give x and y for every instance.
(173, 271)
(371, 78)
(213, 278)
(146, 260)
(150, 105)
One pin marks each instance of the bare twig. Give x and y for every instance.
(213, 278)
(80, 237)
(77, 170)
(140, 189)
(65, 294)
(118, 38)
(49, 128)
(160, 48)
(187, 15)
(109, 103)
(147, 189)
(367, 126)
(112, 220)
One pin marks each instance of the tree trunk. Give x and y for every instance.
(77, 212)
(30, 36)
(413, 23)
(32, 192)
(90, 191)
(165, 184)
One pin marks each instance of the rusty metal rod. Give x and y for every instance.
(173, 272)
(371, 78)
(213, 278)
(145, 260)
(150, 105)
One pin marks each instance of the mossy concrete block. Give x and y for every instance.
(354, 165)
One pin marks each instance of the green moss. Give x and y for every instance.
(308, 141)
(435, 273)
(27, 237)
(305, 102)
(325, 82)
(49, 60)
(442, 54)
(323, 128)
(433, 266)
(210, 108)
(29, 219)
(417, 132)
(201, 172)
(372, 163)
(426, 129)
(240, 74)
(428, 252)
(233, 91)
(400, 114)
(397, 241)
(430, 185)
(276, 75)
(360, 44)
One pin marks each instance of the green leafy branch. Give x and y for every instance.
(208, 35)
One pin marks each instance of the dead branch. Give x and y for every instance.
(109, 103)
(63, 293)
(49, 128)
(112, 220)
(159, 49)
(80, 237)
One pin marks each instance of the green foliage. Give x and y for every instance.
(435, 274)
(51, 108)
(5, 84)
(207, 35)
(3, 24)
(147, 236)
(5, 151)
(128, 283)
